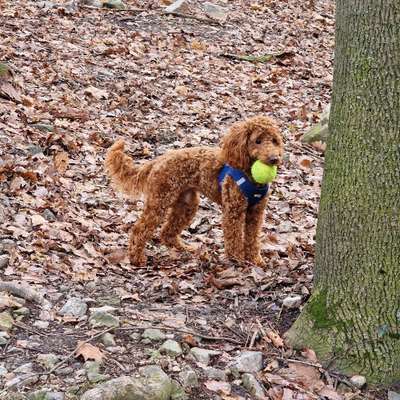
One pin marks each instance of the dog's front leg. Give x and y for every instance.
(254, 220)
(234, 207)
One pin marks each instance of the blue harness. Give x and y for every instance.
(252, 192)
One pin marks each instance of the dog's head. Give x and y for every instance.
(257, 138)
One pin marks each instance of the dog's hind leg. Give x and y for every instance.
(153, 214)
(179, 217)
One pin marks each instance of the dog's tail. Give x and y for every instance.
(124, 174)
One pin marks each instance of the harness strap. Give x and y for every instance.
(253, 193)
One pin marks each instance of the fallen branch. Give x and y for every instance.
(262, 59)
(25, 291)
(201, 19)
(186, 331)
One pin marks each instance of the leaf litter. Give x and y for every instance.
(81, 77)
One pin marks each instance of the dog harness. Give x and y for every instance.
(253, 193)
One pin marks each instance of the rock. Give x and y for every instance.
(214, 11)
(177, 6)
(292, 301)
(3, 370)
(118, 4)
(104, 309)
(251, 384)
(22, 311)
(41, 324)
(4, 336)
(188, 379)
(177, 392)
(202, 355)
(93, 3)
(320, 131)
(6, 321)
(393, 395)
(358, 380)
(108, 339)
(101, 318)
(4, 260)
(153, 384)
(93, 372)
(153, 335)
(216, 374)
(25, 379)
(43, 127)
(46, 394)
(74, 307)
(34, 149)
(171, 348)
(24, 369)
(48, 361)
(247, 361)
(48, 215)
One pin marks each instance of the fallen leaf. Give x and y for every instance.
(276, 340)
(219, 387)
(305, 163)
(96, 93)
(61, 161)
(88, 352)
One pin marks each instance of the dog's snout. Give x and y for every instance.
(273, 160)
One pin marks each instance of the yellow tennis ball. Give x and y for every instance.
(263, 173)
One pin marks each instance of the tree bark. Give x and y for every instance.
(353, 316)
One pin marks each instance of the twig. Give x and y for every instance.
(136, 10)
(292, 360)
(308, 151)
(262, 59)
(253, 338)
(166, 328)
(200, 19)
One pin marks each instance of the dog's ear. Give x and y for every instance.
(234, 146)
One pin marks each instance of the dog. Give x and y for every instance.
(172, 184)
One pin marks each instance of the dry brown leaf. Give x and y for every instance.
(276, 340)
(88, 352)
(61, 161)
(219, 387)
(190, 340)
(305, 163)
(310, 355)
(330, 394)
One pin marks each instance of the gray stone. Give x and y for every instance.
(4, 260)
(103, 309)
(108, 339)
(74, 307)
(202, 355)
(24, 368)
(93, 3)
(118, 4)
(48, 215)
(22, 311)
(44, 127)
(100, 318)
(216, 374)
(6, 321)
(41, 324)
(358, 380)
(46, 394)
(153, 335)
(171, 348)
(292, 301)
(4, 336)
(34, 149)
(247, 361)
(3, 370)
(251, 384)
(393, 395)
(214, 11)
(153, 384)
(93, 372)
(48, 361)
(176, 6)
(25, 379)
(188, 379)
(178, 393)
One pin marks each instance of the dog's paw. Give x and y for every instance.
(138, 260)
(259, 261)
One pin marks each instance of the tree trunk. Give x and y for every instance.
(353, 315)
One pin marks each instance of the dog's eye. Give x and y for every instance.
(275, 142)
(258, 141)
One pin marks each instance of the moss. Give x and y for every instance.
(318, 310)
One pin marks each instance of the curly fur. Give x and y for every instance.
(173, 182)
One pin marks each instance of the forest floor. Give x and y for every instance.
(88, 76)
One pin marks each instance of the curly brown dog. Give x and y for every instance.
(173, 182)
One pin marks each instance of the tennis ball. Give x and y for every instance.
(263, 173)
